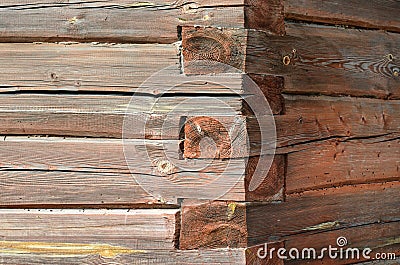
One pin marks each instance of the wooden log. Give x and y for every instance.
(334, 163)
(221, 224)
(354, 13)
(113, 21)
(99, 171)
(355, 62)
(224, 256)
(315, 118)
(380, 238)
(103, 115)
(87, 232)
(84, 67)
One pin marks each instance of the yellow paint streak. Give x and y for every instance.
(389, 242)
(64, 249)
(72, 20)
(231, 209)
(322, 226)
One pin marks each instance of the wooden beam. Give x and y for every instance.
(315, 118)
(316, 59)
(334, 163)
(103, 115)
(379, 237)
(353, 13)
(113, 21)
(84, 67)
(223, 256)
(95, 172)
(221, 224)
(87, 232)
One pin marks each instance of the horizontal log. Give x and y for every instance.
(99, 171)
(84, 67)
(112, 21)
(313, 118)
(87, 232)
(380, 238)
(103, 115)
(143, 68)
(327, 60)
(222, 224)
(354, 13)
(223, 256)
(334, 163)
(356, 62)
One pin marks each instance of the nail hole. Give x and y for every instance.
(53, 76)
(286, 60)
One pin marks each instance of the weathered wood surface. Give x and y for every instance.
(334, 163)
(112, 21)
(326, 60)
(176, 257)
(356, 62)
(94, 171)
(379, 237)
(313, 118)
(377, 14)
(221, 256)
(83, 67)
(87, 231)
(221, 224)
(267, 15)
(103, 115)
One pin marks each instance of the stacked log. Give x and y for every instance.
(104, 103)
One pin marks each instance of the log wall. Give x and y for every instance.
(69, 70)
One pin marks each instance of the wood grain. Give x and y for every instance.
(265, 15)
(379, 237)
(83, 67)
(237, 224)
(112, 21)
(354, 13)
(316, 59)
(132, 231)
(313, 118)
(324, 210)
(103, 115)
(48, 171)
(334, 163)
(223, 256)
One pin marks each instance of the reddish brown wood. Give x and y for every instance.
(213, 50)
(252, 257)
(314, 118)
(271, 87)
(272, 186)
(221, 224)
(379, 237)
(316, 59)
(334, 163)
(213, 225)
(377, 14)
(265, 15)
